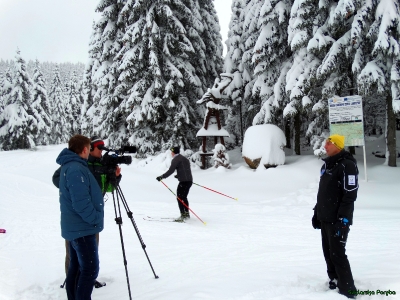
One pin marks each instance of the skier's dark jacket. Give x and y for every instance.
(81, 200)
(97, 170)
(182, 166)
(338, 188)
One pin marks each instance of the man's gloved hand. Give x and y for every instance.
(341, 227)
(315, 222)
(159, 178)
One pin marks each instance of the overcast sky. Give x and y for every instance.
(59, 30)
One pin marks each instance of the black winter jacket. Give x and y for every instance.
(338, 188)
(182, 166)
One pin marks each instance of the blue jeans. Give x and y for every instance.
(83, 268)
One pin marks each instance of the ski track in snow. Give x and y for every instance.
(259, 247)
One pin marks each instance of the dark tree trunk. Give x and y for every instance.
(287, 133)
(297, 125)
(391, 132)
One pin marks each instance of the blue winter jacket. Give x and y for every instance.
(81, 199)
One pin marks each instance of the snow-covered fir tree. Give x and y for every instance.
(272, 61)
(233, 65)
(86, 117)
(6, 86)
(40, 107)
(17, 125)
(303, 14)
(157, 58)
(109, 94)
(251, 97)
(73, 105)
(379, 69)
(61, 128)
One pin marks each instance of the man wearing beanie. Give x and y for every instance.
(182, 166)
(333, 213)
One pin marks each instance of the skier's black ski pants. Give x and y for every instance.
(182, 192)
(338, 265)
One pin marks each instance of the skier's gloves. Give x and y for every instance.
(159, 178)
(315, 222)
(341, 227)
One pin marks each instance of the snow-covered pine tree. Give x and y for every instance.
(251, 100)
(233, 65)
(210, 43)
(6, 86)
(73, 105)
(163, 65)
(300, 30)
(331, 47)
(379, 69)
(17, 125)
(86, 118)
(104, 62)
(60, 129)
(272, 60)
(40, 107)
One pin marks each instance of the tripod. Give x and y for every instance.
(117, 198)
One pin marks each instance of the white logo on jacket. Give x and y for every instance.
(352, 179)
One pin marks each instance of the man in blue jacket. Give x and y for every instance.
(82, 216)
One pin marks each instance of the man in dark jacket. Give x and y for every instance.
(333, 213)
(182, 166)
(82, 217)
(99, 171)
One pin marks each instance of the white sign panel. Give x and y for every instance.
(346, 118)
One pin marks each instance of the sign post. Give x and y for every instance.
(346, 118)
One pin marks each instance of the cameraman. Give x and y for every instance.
(103, 180)
(96, 167)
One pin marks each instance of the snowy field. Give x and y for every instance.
(259, 247)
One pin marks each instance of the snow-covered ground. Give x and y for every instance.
(259, 247)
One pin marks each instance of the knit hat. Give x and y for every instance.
(337, 140)
(175, 149)
(96, 141)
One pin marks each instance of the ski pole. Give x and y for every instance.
(216, 192)
(183, 203)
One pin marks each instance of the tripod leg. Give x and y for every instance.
(118, 220)
(130, 215)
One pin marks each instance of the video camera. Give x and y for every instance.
(118, 157)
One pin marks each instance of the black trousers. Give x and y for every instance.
(338, 265)
(182, 192)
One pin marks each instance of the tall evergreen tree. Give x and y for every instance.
(300, 31)
(157, 59)
(40, 107)
(73, 105)
(251, 97)
(381, 71)
(17, 125)
(233, 64)
(272, 60)
(61, 129)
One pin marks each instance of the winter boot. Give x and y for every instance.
(98, 284)
(333, 284)
(181, 219)
(186, 215)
